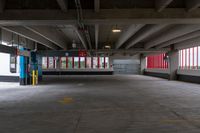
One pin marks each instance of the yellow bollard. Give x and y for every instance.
(36, 77)
(33, 77)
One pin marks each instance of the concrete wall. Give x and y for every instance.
(189, 75)
(161, 73)
(192, 76)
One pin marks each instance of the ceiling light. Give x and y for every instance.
(107, 47)
(116, 29)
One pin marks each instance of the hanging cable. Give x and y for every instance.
(83, 28)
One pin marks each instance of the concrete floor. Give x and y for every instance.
(101, 104)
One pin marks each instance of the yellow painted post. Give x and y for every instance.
(36, 78)
(33, 77)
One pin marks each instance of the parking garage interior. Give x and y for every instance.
(99, 66)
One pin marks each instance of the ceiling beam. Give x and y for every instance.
(108, 51)
(50, 33)
(126, 34)
(7, 49)
(176, 31)
(138, 50)
(80, 36)
(96, 35)
(192, 4)
(30, 35)
(2, 5)
(105, 16)
(63, 5)
(144, 33)
(96, 9)
(161, 4)
(179, 39)
(188, 43)
(96, 5)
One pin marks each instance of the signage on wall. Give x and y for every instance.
(13, 63)
(23, 53)
(82, 53)
(66, 54)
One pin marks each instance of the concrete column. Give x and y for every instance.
(22, 80)
(173, 64)
(24, 75)
(142, 64)
(39, 61)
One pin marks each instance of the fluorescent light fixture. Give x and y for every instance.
(116, 30)
(107, 47)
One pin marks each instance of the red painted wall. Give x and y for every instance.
(157, 61)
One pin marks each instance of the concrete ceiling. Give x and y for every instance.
(145, 24)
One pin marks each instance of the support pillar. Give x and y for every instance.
(39, 60)
(34, 68)
(173, 64)
(142, 64)
(24, 71)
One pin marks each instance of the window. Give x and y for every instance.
(88, 62)
(101, 63)
(82, 62)
(189, 58)
(51, 63)
(70, 63)
(198, 58)
(44, 62)
(76, 62)
(95, 62)
(63, 62)
(107, 62)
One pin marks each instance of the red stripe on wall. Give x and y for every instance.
(85, 62)
(47, 62)
(197, 58)
(98, 62)
(157, 61)
(66, 62)
(72, 62)
(104, 61)
(79, 62)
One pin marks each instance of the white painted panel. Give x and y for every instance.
(5, 65)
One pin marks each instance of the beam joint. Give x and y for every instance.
(2, 5)
(96, 5)
(96, 35)
(192, 4)
(162, 4)
(30, 35)
(63, 5)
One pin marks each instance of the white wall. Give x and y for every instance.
(5, 65)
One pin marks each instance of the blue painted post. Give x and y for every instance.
(22, 69)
